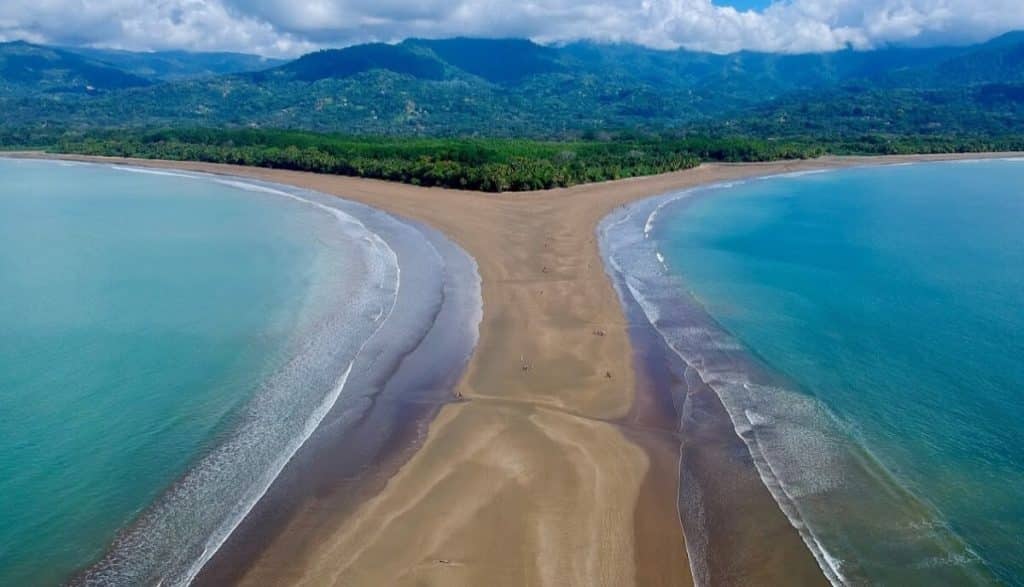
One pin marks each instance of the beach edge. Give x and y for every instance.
(590, 204)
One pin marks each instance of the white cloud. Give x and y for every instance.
(144, 24)
(286, 27)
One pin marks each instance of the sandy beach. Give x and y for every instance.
(557, 462)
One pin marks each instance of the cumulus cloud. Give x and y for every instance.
(288, 27)
(199, 25)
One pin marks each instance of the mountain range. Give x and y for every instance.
(512, 87)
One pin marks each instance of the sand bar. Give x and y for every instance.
(559, 466)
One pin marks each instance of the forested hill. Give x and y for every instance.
(495, 87)
(34, 72)
(47, 70)
(178, 65)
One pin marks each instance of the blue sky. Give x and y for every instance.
(745, 4)
(291, 27)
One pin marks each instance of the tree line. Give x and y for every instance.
(490, 165)
(481, 164)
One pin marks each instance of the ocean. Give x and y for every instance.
(169, 341)
(862, 329)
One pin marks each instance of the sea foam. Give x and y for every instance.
(801, 450)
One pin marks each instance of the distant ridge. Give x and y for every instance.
(515, 87)
(495, 60)
(35, 68)
(178, 65)
(345, 63)
(510, 61)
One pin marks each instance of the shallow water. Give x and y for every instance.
(166, 342)
(862, 329)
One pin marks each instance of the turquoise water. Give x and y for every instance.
(888, 304)
(147, 320)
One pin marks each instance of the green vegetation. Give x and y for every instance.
(506, 114)
(30, 71)
(177, 65)
(492, 165)
(517, 89)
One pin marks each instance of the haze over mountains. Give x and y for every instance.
(514, 87)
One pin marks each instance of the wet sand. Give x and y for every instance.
(560, 463)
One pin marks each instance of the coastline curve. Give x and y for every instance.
(782, 429)
(416, 286)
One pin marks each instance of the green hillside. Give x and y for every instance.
(177, 65)
(516, 88)
(32, 70)
(345, 63)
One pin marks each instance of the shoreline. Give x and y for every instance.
(505, 485)
(421, 340)
(712, 360)
(727, 509)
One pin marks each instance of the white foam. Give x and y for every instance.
(150, 171)
(671, 198)
(664, 201)
(744, 424)
(218, 539)
(803, 453)
(217, 466)
(757, 419)
(794, 174)
(314, 420)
